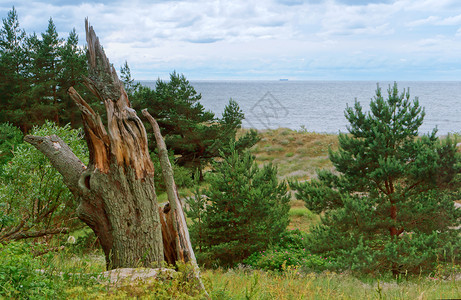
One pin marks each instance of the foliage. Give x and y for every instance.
(32, 193)
(128, 82)
(10, 138)
(289, 251)
(389, 205)
(196, 211)
(246, 210)
(182, 175)
(194, 134)
(65, 276)
(30, 272)
(82, 240)
(19, 275)
(35, 74)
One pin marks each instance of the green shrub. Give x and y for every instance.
(290, 251)
(32, 192)
(20, 275)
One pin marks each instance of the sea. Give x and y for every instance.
(318, 106)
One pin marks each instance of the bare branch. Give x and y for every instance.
(174, 222)
(34, 234)
(61, 157)
(6, 236)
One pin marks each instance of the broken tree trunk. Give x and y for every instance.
(116, 190)
(176, 239)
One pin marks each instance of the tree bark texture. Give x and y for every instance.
(182, 245)
(176, 239)
(116, 190)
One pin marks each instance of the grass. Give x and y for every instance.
(300, 217)
(244, 283)
(297, 154)
(291, 284)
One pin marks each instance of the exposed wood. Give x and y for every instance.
(174, 224)
(116, 190)
(95, 133)
(169, 235)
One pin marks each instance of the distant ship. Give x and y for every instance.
(283, 79)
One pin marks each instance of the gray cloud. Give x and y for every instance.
(234, 38)
(207, 40)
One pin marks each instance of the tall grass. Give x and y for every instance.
(291, 284)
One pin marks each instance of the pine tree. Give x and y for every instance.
(127, 79)
(194, 134)
(389, 203)
(73, 69)
(45, 69)
(35, 74)
(12, 68)
(246, 210)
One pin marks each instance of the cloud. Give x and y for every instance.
(421, 22)
(298, 2)
(363, 2)
(453, 20)
(234, 38)
(206, 40)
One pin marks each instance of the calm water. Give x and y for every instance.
(319, 105)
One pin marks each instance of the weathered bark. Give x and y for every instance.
(176, 239)
(183, 249)
(116, 190)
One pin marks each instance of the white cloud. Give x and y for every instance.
(454, 20)
(422, 22)
(250, 36)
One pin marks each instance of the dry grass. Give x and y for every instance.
(300, 217)
(291, 284)
(296, 154)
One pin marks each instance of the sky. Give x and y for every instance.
(264, 39)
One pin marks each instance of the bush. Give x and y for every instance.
(32, 192)
(20, 275)
(290, 251)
